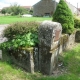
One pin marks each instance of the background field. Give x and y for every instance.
(12, 19)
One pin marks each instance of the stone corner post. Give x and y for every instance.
(49, 35)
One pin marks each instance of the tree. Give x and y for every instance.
(64, 16)
(3, 11)
(31, 12)
(14, 10)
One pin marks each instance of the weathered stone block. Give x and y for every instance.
(49, 35)
(77, 36)
(0, 54)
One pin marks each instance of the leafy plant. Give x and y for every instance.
(26, 40)
(24, 34)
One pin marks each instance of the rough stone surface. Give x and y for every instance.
(71, 40)
(48, 44)
(77, 36)
(47, 32)
(63, 43)
(0, 54)
(22, 58)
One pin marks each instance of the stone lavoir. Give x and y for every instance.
(43, 58)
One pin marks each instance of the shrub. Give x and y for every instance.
(20, 28)
(64, 16)
(21, 34)
(76, 22)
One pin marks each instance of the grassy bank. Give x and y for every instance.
(70, 59)
(12, 19)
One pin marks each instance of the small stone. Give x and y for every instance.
(0, 54)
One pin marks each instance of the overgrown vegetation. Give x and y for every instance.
(64, 16)
(23, 34)
(77, 22)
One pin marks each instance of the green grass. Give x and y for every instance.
(12, 19)
(71, 60)
(10, 72)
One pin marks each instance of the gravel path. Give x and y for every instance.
(2, 27)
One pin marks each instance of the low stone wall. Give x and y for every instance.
(22, 58)
(43, 58)
(51, 44)
(66, 42)
(33, 61)
(27, 59)
(77, 36)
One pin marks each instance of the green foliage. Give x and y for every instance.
(76, 22)
(3, 11)
(15, 10)
(72, 58)
(64, 16)
(22, 34)
(31, 12)
(20, 28)
(26, 40)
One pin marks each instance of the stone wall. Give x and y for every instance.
(21, 57)
(44, 8)
(77, 36)
(51, 44)
(45, 57)
(66, 42)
